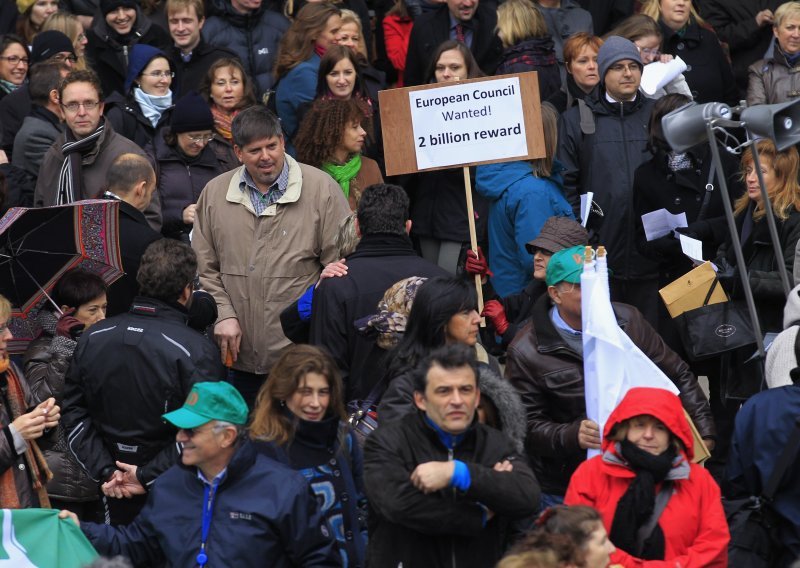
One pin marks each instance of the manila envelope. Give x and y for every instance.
(688, 292)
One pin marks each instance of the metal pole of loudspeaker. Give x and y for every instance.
(770, 215)
(735, 242)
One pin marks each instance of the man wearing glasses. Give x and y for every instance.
(77, 164)
(49, 45)
(601, 142)
(127, 372)
(545, 365)
(227, 505)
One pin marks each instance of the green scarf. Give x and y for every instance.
(344, 173)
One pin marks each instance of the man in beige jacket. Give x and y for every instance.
(262, 234)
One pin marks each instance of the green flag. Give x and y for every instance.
(37, 538)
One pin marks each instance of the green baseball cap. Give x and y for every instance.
(565, 266)
(209, 401)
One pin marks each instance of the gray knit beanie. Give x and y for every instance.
(616, 49)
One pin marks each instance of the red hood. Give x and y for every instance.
(656, 402)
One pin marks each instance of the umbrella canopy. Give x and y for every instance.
(37, 246)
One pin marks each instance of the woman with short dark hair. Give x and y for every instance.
(81, 298)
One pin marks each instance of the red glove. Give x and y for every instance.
(69, 326)
(476, 263)
(497, 315)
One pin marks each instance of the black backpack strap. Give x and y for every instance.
(711, 291)
(788, 456)
(707, 197)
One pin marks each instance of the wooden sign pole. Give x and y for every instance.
(473, 237)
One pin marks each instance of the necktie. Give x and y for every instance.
(460, 33)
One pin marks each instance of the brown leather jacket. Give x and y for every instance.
(549, 377)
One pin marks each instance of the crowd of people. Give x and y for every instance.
(294, 368)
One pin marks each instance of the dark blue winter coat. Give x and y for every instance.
(264, 514)
(519, 204)
(762, 431)
(298, 86)
(327, 454)
(253, 37)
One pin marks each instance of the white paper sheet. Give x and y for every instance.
(692, 248)
(586, 207)
(660, 223)
(656, 74)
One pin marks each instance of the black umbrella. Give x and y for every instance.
(37, 246)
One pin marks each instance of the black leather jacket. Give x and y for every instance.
(549, 377)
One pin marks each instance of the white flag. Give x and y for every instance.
(612, 363)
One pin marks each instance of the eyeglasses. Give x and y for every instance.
(160, 74)
(87, 106)
(14, 60)
(565, 287)
(60, 57)
(622, 68)
(651, 52)
(191, 432)
(81, 37)
(202, 139)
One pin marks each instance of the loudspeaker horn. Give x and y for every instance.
(685, 127)
(779, 122)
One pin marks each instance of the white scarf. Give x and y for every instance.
(153, 106)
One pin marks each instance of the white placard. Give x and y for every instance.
(461, 124)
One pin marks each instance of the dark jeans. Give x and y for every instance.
(248, 385)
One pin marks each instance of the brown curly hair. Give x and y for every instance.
(323, 127)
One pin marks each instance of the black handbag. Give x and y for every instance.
(714, 329)
(753, 524)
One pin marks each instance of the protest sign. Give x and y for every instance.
(463, 123)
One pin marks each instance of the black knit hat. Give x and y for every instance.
(107, 6)
(49, 43)
(191, 114)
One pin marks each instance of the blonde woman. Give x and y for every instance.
(685, 34)
(527, 45)
(773, 79)
(71, 27)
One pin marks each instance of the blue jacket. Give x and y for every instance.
(762, 431)
(264, 514)
(298, 86)
(519, 204)
(329, 457)
(253, 37)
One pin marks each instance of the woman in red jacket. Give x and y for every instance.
(646, 461)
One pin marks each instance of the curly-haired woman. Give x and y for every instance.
(331, 138)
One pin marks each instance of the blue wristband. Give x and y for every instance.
(461, 479)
